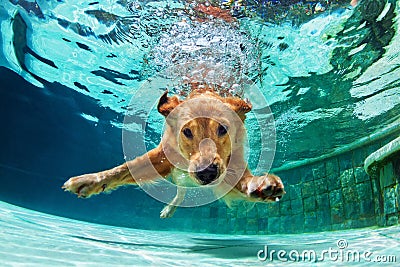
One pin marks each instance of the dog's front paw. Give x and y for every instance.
(85, 185)
(268, 188)
(167, 211)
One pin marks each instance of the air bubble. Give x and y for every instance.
(208, 53)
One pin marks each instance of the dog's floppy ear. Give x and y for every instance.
(240, 106)
(167, 104)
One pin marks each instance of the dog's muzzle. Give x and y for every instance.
(208, 174)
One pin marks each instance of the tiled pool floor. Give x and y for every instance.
(30, 238)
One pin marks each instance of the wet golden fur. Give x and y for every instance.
(201, 118)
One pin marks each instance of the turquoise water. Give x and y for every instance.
(69, 70)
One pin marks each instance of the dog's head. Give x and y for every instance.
(206, 130)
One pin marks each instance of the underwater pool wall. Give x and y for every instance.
(337, 193)
(383, 166)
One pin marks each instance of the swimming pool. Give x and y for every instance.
(328, 72)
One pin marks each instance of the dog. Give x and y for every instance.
(202, 145)
(203, 138)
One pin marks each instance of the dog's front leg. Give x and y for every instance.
(268, 187)
(170, 209)
(148, 167)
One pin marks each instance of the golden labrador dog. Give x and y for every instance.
(203, 138)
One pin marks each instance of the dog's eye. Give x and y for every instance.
(188, 133)
(222, 130)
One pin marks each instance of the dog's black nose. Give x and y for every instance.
(208, 174)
